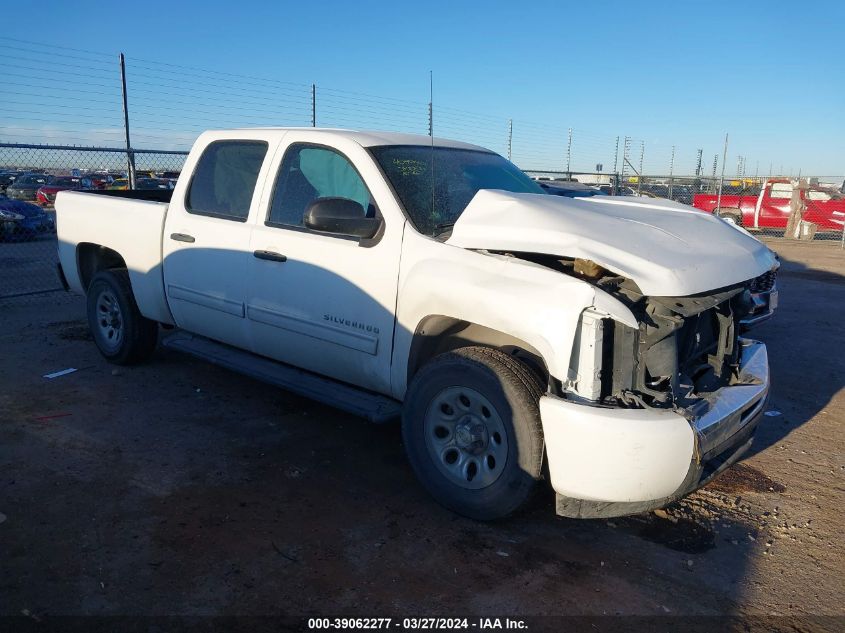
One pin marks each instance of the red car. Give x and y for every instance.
(770, 208)
(46, 195)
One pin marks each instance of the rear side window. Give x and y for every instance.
(224, 179)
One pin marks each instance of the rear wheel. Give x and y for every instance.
(471, 427)
(121, 333)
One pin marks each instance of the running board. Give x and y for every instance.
(366, 404)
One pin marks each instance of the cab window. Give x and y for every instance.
(781, 190)
(224, 179)
(309, 172)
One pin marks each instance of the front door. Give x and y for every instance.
(774, 212)
(323, 302)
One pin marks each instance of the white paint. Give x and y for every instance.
(133, 228)
(615, 455)
(667, 248)
(308, 310)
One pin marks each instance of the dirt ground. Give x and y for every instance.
(182, 488)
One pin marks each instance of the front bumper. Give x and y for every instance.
(606, 461)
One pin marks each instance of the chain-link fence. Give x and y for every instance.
(30, 177)
(805, 208)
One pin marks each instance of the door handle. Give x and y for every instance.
(182, 237)
(270, 256)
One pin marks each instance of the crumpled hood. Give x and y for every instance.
(667, 248)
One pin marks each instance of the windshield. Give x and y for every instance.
(458, 175)
(32, 180)
(64, 181)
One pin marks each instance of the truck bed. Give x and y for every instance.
(127, 222)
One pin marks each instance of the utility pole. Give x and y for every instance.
(698, 162)
(615, 184)
(130, 155)
(671, 171)
(569, 154)
(510, 137)
(626, 148)
(313, 105)
(722, 177)
(713, 177)
(640, 175)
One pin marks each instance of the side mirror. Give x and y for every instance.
(340, 216)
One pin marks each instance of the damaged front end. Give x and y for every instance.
(684, 348)
(660, 408)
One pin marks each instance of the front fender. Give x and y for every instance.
(525, 301)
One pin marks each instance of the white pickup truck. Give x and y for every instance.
(519, 335)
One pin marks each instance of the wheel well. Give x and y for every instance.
(437, 334)
(733, 212)
(92, 258)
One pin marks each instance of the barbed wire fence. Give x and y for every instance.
(63, 112)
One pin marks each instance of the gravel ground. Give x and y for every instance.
(181, 488)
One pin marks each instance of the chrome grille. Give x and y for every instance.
(765, 282)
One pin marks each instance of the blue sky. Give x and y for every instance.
(665, 74)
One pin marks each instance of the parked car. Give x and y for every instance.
(771, 207)
(682, 194)
(24, 220)
(46, 195)
(514, 332)
(657, 190)
(9, 222)
(153, 183)
(569, 189)
(6, 179)
(621, 190)
(144, 184)
(100, 180)
(26, 186)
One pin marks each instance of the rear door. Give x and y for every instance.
(205, 247)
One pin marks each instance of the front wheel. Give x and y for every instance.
(121, 333)
(472, 431)
(732, 214)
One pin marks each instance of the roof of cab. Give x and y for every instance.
(371, 138)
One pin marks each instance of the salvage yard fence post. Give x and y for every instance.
(722, 177)
(130, 157)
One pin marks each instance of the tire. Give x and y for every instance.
(732, 215)
(122, 334)
(472, 432)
